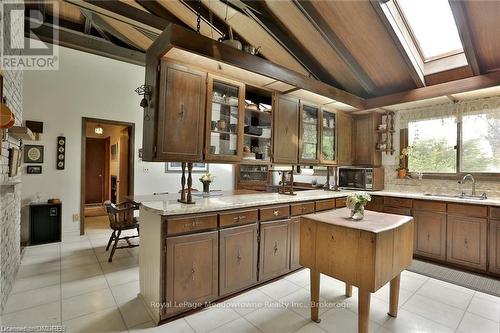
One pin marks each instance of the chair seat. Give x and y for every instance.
(128, 227)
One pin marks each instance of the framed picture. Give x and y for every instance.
(13, 161)
(114, 151)
(34, 169)
(176, 167)
(33, 154)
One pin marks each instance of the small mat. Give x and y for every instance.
(474, 281)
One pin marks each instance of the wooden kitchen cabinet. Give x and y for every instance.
(466, 241)
(376, 204)
(274, 249)
(344, 138)
(309, 128)
(328, 136)
(365, 139)
(192, 266)
(494, 247)
(238, 258)
(174, 131)
(294, 243)
(225, 112)
(285, 129)
(430, 234)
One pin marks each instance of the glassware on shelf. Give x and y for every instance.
(309, 132)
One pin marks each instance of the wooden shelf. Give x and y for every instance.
(223, 132)
(225, 104)
(266, 113)
(257, 136)
(21, 133)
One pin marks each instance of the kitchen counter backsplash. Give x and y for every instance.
(393, 183)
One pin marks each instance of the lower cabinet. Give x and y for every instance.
(192, 271)
(274, 249)
(397, 210)
(238, 258)
(466, 241)
(494, 247)
(430, 234)
(294, 243)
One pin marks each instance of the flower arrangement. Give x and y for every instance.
(356, 203)
(402, 158)
(206, 179)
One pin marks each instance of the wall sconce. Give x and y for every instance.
(98, 130)
(146, 92)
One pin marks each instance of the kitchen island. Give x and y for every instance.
(191, 255)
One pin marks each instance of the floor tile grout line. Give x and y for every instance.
(463, 314)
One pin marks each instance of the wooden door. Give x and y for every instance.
(95, 170)
(309, 137)
(192, 270)
(238, 258)
(344, 135)
(294, 243)
(181, 111)
(430, 234)
(366, 136)
(274, 249)
(328, 136)
(123, 172)
(494, 247)
(466, 241)
(286, 130)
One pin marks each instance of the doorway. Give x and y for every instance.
(107, 168)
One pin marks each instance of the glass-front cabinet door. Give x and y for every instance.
(309, 133)
(328, 137)
(225, 105)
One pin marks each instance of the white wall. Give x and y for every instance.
(90, 86)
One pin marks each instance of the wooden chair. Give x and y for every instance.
(121, 217)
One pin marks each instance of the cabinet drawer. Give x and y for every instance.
(238, 218)
(340, 202)
(325, 205)
(428, 205)
(495, 212)
(467, 210)
(376, 205)
(190, 224)
(397, 202)
(302, 208)
(275, 213)
(397, 210)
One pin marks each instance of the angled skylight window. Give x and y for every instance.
(432, 26)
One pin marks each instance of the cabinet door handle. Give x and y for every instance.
(238, 257)
(181, 113)
(239, 217)
(192, 273)
(466, 243)
(428, 236)
(276, 212)
(275, 248)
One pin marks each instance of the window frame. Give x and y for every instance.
(404, 140)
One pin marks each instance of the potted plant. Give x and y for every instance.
(206, 179)
(401, 168)
(356, 202)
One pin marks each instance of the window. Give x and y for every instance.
(432, 145)
(473, 139)
(432, 27)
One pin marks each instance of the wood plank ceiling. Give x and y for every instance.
(346, 44)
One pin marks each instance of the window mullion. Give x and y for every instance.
(459, 145)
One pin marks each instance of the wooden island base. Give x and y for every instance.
(367, 254)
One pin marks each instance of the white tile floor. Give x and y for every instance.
(72, 284)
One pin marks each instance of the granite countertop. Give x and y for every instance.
(167, 204)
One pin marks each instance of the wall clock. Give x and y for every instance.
(61, 152)
(33, 154)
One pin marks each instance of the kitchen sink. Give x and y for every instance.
(458, 196)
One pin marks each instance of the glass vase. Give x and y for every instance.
(358, 213)
(206, 188)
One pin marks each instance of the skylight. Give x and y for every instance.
(433, 27)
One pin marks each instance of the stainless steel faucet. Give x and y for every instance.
(469, 176)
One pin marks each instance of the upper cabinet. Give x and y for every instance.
(345, 151)
(365, 139)
(175, 131)
(328, 137)
(224, 134)
(286, 130)
(309, 133)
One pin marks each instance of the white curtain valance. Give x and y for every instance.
(479, 106)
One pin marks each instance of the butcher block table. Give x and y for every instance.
(366, 254)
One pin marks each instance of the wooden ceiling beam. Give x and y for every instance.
(156, 9)
(213, 20)
(125, 13)
(442, 89)
(85, 43)
(127, 33)
(392, 28)
(263, 16)
(315, 18)
(458, 10)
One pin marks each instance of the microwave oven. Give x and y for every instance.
(360, 178)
